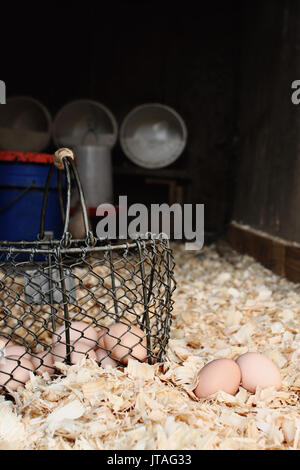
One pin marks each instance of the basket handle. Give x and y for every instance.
(64, 159)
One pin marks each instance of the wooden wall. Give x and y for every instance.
(265, 218)
(186, 58)
(125, 53)
(267, 193)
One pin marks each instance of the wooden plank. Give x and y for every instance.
(168, 182)
(178, 173)
(292, 263)
(269, 251)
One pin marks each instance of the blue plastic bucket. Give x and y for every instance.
(22, 183)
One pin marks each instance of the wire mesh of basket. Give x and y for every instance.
(65, 300)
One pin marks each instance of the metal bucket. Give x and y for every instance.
(91, 130)
(153, 135)
(95, 169)
(25, 125)
(22, 181)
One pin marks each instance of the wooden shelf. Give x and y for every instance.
(180, 174)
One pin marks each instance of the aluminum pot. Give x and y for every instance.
(25, 125)
(153, 135)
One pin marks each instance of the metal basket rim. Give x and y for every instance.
(50, 247)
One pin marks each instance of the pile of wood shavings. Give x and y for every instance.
(226, 304)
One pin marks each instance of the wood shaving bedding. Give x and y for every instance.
(225, 305)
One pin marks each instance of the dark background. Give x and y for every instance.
(225, 66)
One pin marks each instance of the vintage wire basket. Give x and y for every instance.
(63, 300)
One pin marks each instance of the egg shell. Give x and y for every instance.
(20, 373)
(81, 349)
(258, 371)
(217, 375)
(59, 352)
(4, 342)
(43, 362)
(79, 331)
(100, 337)
(125, 341)
(17, 351)
(104, 359)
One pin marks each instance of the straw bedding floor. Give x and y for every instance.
(226, 304)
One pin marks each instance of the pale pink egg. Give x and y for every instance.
(101, 336)
(104, 359)
(125, 341)
(59, 352)
(18, 351)
(258, 371)
(78, 331)
(20, 373)
(218, 375)
(82, 350)
(79, 351)
(4, 342)
(43, 362)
